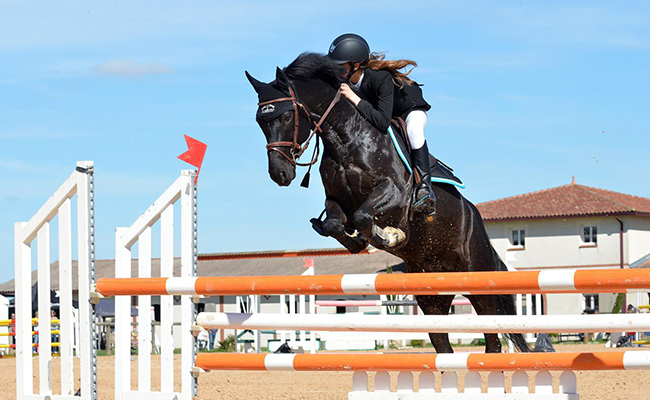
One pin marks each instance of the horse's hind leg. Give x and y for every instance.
(437, 305)
(334, 226)
(487, 305)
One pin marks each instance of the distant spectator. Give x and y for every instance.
(12, 328)
(213, 335)
(631, 336)
(55, 337)
(202, 339)
(35, 339)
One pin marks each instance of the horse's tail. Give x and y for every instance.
(507, 307)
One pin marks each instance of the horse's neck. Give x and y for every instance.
(343, 127)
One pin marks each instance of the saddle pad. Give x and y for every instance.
(439, 172)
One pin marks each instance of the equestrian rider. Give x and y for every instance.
(387, 93)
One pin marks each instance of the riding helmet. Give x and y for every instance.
(349, 48)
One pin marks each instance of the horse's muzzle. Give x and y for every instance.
(281, 170)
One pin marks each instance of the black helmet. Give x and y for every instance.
(349, 48)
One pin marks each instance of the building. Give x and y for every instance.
(571, 227)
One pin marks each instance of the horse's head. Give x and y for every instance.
(285, 123)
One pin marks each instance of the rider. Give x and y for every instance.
(386, 93)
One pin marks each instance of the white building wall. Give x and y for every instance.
(557, 243)
(638, 236)
(562, 304)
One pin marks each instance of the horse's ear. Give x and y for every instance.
(281, 80)
(257, 85)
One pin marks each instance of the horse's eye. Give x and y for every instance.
(287, 117)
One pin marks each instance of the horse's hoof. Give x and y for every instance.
(389, 236)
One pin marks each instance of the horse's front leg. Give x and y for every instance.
(386, 199)
(334, 226)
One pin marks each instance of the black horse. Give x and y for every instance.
(369, 190)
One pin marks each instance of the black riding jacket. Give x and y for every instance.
(381, 99)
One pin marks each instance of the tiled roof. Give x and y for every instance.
(643, 262)
(571, 200)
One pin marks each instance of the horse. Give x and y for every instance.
(369, 190)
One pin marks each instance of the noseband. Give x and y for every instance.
(296, 149)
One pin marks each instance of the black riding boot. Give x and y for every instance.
(425, 198)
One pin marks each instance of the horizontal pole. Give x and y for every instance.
(33, 333)
(12, 322)
(429, 323)
(13, 346)
(597, 361)
(468, 283)
(365, 303)
(380, 303)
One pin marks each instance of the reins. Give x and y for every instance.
(296, 149)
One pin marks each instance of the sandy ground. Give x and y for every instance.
(244, 385)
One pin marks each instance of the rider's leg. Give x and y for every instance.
(425, 198)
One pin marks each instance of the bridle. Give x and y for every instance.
(296, 149)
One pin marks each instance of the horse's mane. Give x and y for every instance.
(316, 66)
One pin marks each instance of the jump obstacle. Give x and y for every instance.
(79, 183)
(368, 303)
(190, 288)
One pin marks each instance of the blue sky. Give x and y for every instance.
(524, 95)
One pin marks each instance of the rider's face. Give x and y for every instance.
(348, 67)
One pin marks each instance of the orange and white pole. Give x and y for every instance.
(468, 283)
(629, 360)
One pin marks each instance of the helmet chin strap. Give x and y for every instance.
(352, 72)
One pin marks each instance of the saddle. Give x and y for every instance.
(440, 172)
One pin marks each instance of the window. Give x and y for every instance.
(590, 234)
(519, 237)
(591, 303)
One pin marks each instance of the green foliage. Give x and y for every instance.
(228, 344)
(618, 305)
(417, 343)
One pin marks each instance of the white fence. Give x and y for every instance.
(80, 182)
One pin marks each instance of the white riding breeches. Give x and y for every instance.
(416, 120)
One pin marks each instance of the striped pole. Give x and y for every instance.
(598, 361)
(365, 303)
(12, 322)
(33, 333)
(511, 282)
(380, 303)
(13, 346)
(428, 323)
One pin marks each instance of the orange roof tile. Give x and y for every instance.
(564, 201)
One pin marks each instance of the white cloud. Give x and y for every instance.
(126, 68)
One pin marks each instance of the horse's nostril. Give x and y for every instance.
(283, 175)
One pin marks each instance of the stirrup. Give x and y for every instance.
(427, 203)
(317, 225)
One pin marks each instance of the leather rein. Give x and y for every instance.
(296, 149)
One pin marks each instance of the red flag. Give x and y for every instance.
(194, 156)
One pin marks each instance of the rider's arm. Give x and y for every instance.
(380, 117)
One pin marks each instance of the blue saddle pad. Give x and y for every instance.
(439, 172)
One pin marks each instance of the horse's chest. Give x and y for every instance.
(347, 182)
